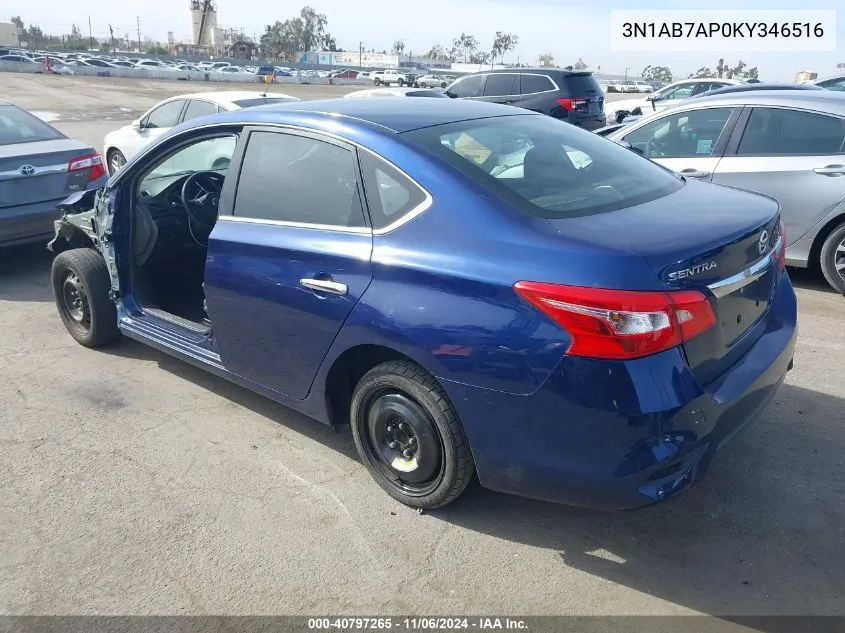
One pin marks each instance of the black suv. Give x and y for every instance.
(570, 95)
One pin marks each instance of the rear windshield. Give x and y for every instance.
(17, 126)
(580, 85)
(547, 168)
(257, 101)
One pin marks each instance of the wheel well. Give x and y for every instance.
(347, 371)
(71, 237)
(827, 229)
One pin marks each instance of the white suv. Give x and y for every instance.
(388, 77)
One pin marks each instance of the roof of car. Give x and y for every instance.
(398, 115)
(230, 96)
(824, 100)
(540, 70)
(811, 99)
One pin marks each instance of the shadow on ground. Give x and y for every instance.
(761, 535)
(25, 273)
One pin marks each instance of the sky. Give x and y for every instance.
(567, 30)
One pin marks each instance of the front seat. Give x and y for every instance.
(544, 170)
(144, 234)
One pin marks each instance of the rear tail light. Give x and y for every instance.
(620, 324)
(92, 162)
(571, 104)
(782, 251)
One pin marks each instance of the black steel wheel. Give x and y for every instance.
(81, 285)
(832, 259)
(409, 436)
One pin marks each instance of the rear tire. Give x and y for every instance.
(377, 81)
(80, 281)
(832, 259)
(409, 436)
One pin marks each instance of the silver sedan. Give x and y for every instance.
(789, 145)
(39, 167)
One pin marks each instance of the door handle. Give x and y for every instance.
(324, 285)
(831, 170)
(694, 173)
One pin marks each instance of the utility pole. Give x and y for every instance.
(90, 35)
(360, 54)
(626, 72)
(138, 22)
(111, 37)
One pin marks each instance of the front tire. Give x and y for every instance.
(116, 160)
(409, 436)
(377, 81)
(832, 259)
(81, 286)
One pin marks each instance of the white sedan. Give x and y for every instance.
(121, 145)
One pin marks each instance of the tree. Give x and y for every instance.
(75, 33)
(330, 44)
(464, 46)
(18, 22)
(313, 29)
(34, 35)
(658, 74)
(546, 59)
(502, 43)
(579, 65)
(479, 57)
(726, 71)
(437, 52)
(398, 47)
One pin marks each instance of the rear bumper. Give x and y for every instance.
(28, 223)
(618, 435)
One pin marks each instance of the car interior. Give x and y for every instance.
(174, 210)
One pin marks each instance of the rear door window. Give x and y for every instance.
(780, 132)
(467, 87)
(291, 178)
(530, 84)
(501, 84)
(166, 115)
(197, 108)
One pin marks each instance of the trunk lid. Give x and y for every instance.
(38, 171)
(708, 238)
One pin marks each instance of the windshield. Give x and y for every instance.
(545, 167)
(18, 126)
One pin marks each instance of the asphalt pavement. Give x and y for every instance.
(133, 483)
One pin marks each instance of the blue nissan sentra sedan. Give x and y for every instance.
(473, 288)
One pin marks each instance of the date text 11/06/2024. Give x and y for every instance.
(416, 624)
(722, 29)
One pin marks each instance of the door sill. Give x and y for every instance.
(193, 326)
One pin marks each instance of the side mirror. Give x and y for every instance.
(137, 124)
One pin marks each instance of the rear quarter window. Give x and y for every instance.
(529, 84)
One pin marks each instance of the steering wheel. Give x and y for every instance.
(654, 148)
(200, 197)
